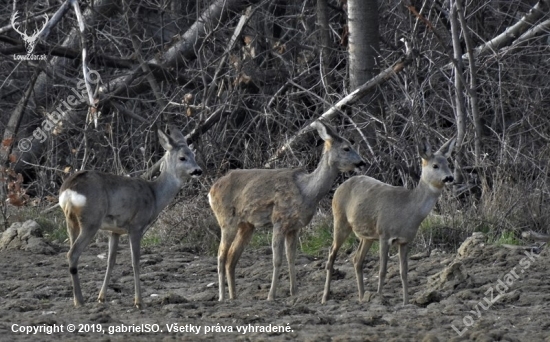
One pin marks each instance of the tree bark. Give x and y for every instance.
(363, 41)
(363, 48)
(460, 115)
(474, 107)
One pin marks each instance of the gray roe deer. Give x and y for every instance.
(284, 199)
(94, 200)
(389, 214)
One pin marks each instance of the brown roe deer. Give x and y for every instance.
(282, 199)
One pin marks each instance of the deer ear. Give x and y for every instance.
(447, 148)
(176, 135)
(425, 149)
(324, 131)
(166, 141)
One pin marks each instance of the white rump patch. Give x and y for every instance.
(210, 200)
(73, 197)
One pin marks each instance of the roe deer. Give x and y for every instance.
(94, 200)
(284, 199)
(390, 214)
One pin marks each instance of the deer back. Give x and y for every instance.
(259, 197)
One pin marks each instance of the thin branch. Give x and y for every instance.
(92, 111)
(208, 123)
(136, 44)
(127, 112)
(240, 26)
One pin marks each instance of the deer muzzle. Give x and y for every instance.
(448, 179)
(196, 172)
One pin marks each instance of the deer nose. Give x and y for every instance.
(361, 163)
(448, 179)
(196, 172)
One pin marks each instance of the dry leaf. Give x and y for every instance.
(7, 142)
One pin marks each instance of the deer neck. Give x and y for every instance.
(165, 188)
(426, 195)
(318, 183)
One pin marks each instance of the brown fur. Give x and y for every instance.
(283, 199)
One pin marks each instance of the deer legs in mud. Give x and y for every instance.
(111, 259)
(232, 246)
(289, 242)
(358, 260)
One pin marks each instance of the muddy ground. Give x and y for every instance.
(180, 288)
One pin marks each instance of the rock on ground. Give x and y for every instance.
(26, 236)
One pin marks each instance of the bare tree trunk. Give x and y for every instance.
(460, 115)
(474, 107)
(363, 49)
(363, 41)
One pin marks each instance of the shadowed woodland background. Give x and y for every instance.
(241, 78)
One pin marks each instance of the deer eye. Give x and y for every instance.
(435, 166)
(183, 159)
(346, 149)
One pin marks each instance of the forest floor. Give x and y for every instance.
(483, 293)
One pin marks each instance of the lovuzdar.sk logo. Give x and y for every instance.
(30, 40)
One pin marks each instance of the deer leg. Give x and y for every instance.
(111, 259)
(135, 241)
(73, 228)
(404, 268)
(228, 235)
(243, 237)
(384, 249)
(291, 243)
(277, 246)
(341, 232)
(358, 260)
(79, 245)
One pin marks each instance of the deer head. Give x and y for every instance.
(30, 41)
